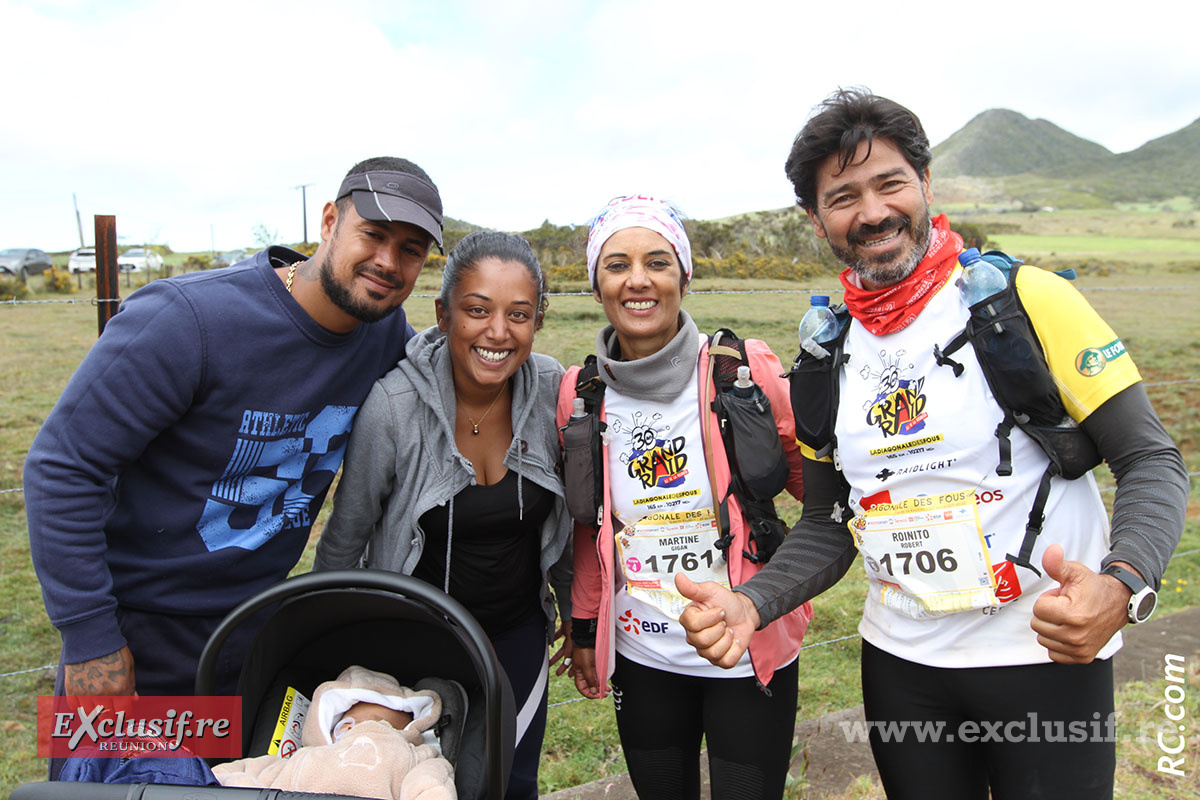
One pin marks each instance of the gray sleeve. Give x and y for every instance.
(1152, 482)
(814, 556)
(368, 479)
(550, 375)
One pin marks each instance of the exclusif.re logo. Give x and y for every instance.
(120, 726)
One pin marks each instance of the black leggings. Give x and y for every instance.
(522, 654)
(1032, 731)
(661, 717)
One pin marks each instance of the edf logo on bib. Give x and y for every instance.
(637, 626)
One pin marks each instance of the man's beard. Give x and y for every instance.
(343, 299)
(886, 269)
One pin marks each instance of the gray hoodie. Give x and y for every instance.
(402, 461)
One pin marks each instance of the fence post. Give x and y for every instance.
(107, 286)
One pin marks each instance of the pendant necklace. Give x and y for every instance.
(475, 425)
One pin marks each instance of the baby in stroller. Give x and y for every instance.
(317, 626)
(363, 735)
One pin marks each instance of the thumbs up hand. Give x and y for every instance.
(1075, 619)
(719, 622)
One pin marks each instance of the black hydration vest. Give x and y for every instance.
(1015, 368)
(757, 464)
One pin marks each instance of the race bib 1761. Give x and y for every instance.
(659, 545)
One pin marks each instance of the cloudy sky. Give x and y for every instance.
(193, 122)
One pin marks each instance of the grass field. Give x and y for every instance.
(1148, 237)
(1147, 222)
(42, 344)
(1037, 248)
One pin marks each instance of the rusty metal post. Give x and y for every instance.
(107, 286)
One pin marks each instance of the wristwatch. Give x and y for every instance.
(1143, 600)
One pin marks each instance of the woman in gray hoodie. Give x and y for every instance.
(450, 472)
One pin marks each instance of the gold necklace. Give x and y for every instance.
(475, 425)
(292, 274)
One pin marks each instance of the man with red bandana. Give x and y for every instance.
(1005, 668)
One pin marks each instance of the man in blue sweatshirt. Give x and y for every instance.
(184, 464)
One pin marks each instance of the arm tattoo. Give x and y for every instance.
(99, 675)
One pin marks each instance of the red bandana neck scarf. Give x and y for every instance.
(893, 308)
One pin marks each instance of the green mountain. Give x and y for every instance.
(1000, 142)
(1164, 167)
(461, 226)
(1002, 158)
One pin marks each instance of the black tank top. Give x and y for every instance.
(494, 556)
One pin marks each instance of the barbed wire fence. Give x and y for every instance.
(13, 302)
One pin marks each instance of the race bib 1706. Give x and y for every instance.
(926, 556)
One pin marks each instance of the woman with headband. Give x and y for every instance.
(665, 480)
(450, 473)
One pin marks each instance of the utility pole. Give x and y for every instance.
(78, 219)
(304, 207)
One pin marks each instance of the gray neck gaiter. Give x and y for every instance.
(659, 377)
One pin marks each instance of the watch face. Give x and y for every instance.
(1145, 606)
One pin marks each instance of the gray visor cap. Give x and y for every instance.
(384, 196)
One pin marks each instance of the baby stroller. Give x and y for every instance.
(318, 624)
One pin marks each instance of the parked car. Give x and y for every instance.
(231, 258)
(23, 261)
(139, 259)
(82, 260)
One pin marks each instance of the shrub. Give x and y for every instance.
(566, 272)
(739, 265)
(973, 235)
(57, 282)
(195, 263)
(13, 289)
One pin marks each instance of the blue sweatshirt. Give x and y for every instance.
(183, 466)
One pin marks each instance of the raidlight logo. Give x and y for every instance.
(637, 627)
(929, 466)
(116, 727)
